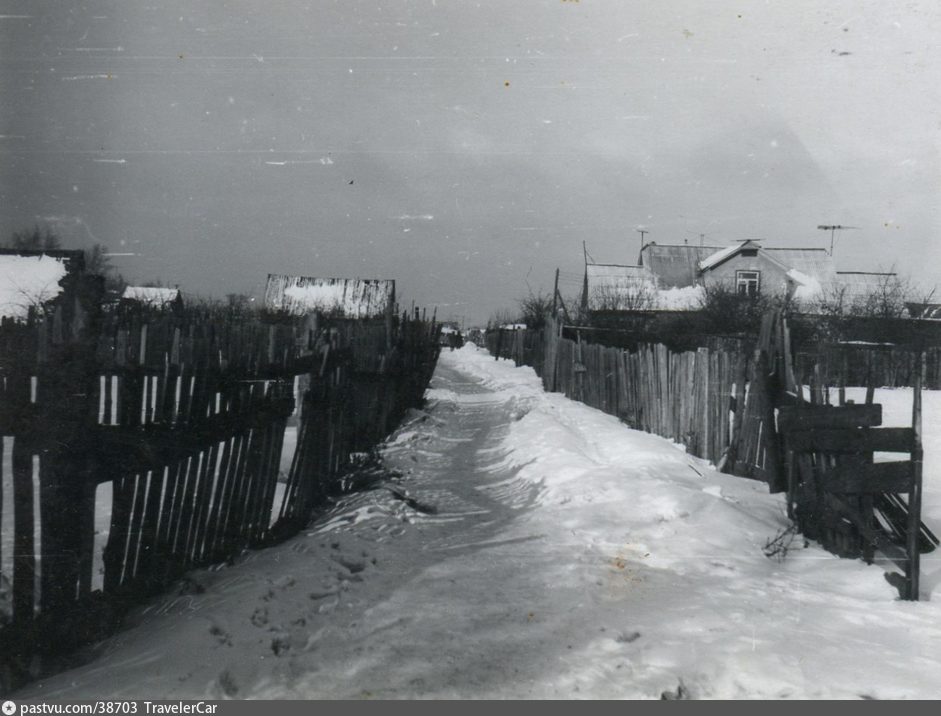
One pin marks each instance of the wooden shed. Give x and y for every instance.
(349, 298)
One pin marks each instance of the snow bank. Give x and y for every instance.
(27, 281)
(684, 549)
(687, 298)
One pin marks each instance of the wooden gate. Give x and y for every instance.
(838, 493)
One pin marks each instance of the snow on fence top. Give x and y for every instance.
(27, 281)
(151, 295)
(339, 297)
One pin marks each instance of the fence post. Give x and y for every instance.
(914, 506)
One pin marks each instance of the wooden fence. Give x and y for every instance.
(869, 364)
(748, 414)
(183, 417)
(685, 396)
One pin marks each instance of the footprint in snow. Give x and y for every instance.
(260, 617)
(354, 566)
(227, 684)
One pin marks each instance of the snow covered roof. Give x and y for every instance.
(614, 287)
(339, 297)
(617, 273)
(151, 295)
(675, 265)
(602, 276)
(27, 281)
(721, 255)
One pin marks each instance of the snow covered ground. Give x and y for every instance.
(527, 546)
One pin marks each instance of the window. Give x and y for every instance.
(747, 283)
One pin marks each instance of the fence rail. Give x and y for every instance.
(183, 417)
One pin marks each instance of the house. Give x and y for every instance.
(677, 277)
(613, 287)
(747, 267)
(350, 298)
(168, 299)
(35, 278)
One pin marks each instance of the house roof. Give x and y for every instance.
(809, 266)
(151, 295)
(29, 280)
(612, 286)
(338, 297)
(675, 266)
(600, 275)
(815, 263)
(714, 259)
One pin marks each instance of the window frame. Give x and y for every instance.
(745, 279)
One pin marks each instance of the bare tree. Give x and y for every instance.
(502, 317)
(887, 299)
(639, 296)
(35, 238)
(534, 309)
(833, 302)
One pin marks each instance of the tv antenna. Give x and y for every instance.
(833, 228)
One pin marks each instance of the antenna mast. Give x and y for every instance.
(833, 228)
(642, 232)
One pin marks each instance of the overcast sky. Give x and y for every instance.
(467, 149)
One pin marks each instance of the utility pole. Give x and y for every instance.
(555, 294)
(833, 228)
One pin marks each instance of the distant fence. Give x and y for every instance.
(685, 396)
(872, 364)
(183, 418)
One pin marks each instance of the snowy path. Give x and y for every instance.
(554, 553)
